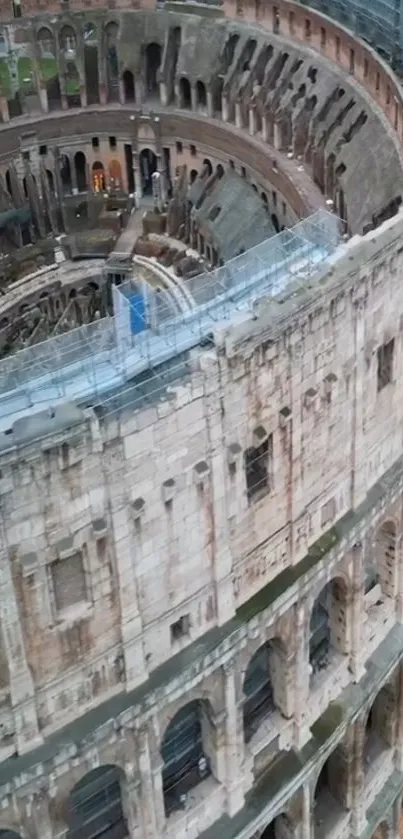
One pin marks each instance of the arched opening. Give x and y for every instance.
(8, 183)
(51, 182)
(329, 806)
(98, 177)
(128, 86)
(279, 828)
(112, 63)
(46, 43)
(219, 171)
(67, 40)
(91, 63)
(258, 692)
(328, 626)
(192, 176)
(184, 753)
(115, 175)
(207, 167)
(80, 165)
(65, 174)
(148, 165)
(95, 806)
(265, 200)
(184, 93)
(275, 222)
(379, 729)
(201, 95)
(152, 66)
(382, 832)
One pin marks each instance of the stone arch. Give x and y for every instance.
(46, 42)
(385, 551)
(329, 797)
(115, 174)
(201, 95)
(185, 96)
(98, 176)
(186, 751)
(80, 166)
(90, 33)
(128, 86)
(67, 39)
(95, 804)
(65, 174)
(328, 628)
(152, 63)
(381, 832)
(279, 828)
(258, 691)
(379, 727)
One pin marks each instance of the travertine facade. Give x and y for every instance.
(202, 579)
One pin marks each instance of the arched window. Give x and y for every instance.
(95, 806)
(128, 86)
(46, 43)
(207, 167)
(328, 626)
(379, 728)
(329, 806)
(185, 760)
(258, 692)
(184, 93)
(152, 66)
(192, 175)
(65, 174)
(67, 39)
(80, 165)
(201, 95)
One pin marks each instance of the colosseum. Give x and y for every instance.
(201, 433)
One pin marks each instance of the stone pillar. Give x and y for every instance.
(137, 179)
(193, 97)
(151, 804)
(210, 109)
(306, 821)
(43, 97)
(38, 814)
(21, 684)
(265, 129)
(399, 732)
(358, 815)
(83, 95)
(252, 120)
(238, 115)
(122, 97)
(224, 587)
(5, 114)
(125, 552)
(397, 819)
(356, 568)
(277, 136)
(224, 108)
(131, 804)
(163, 94)
(301, 676)
(282, 676)
(233, 742)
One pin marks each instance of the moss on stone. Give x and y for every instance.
(5, 79)
(48, 68)
(289, 576)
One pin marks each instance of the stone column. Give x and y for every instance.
(277, 136)
(358, 815)
(301, 676)
(193, 97)
(152, 799)
(125, 553)
(131, 804)
(306, 822)
(83, 95)
(5, 114)
(397, 819)
(21, 683)
(224, 108)
(233, 742)
(252, 120)
(265, 128)
(43, 97)
(38, 814)
(163, 94)
(238, 115)
(399, 732)
(210, 110)
(356, 568)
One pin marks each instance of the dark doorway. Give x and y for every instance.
(129, 168)
(91, 73)
(65, 174)
(128, 86)
(152, 61)
(80, 165)
(95, 806)
(148, 165)
(185, 94)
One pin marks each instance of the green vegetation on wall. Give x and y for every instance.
(5, 79)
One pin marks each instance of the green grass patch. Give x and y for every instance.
(48, 68)
(5, 79)
(72, 87)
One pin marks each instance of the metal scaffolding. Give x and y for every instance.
(147, 332)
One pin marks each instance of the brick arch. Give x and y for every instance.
(209, 690)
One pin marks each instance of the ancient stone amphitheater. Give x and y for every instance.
(201, 422)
